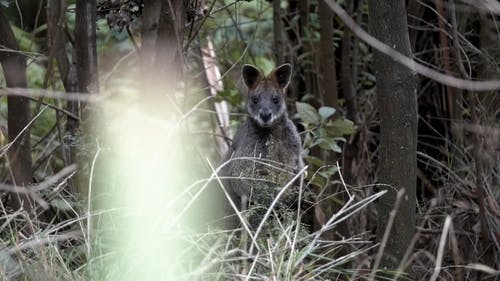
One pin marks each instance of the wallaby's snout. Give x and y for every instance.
(265, 116)
(266, 112)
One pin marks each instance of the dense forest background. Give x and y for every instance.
(115, 114)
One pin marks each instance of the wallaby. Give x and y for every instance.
(265, 153)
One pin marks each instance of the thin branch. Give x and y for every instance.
(442, 243)
(31, 93)
(5, 148)
(489, 85)
(89, 197)
(62, 174)
(56, 108)
(23, 190)
(387, 232)
(32, 191)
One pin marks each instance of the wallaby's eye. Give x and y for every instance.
(276, 100)
(255, 100)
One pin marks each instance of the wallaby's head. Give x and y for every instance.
(266, 95)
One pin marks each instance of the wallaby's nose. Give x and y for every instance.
(265, 116)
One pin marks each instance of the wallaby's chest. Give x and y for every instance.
(266, 146)
(264, 158)
(267, 155)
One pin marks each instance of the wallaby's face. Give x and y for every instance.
(266, 95)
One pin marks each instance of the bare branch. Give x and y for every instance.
(489, 85)
(32, 191)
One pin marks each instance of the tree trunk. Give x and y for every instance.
(85, 44)
(328, 74)
(56, 15)
(169, 43)
(19, 154)
(279, 46)
(327, 86)
(451, 98)
(489, 67)
(85, 70)
(161, 49)
(484, 110)
(350, 149)
(150, 18)
(397, 101)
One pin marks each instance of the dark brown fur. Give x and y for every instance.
(266, 151)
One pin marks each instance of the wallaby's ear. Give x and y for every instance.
(251, 75)
(283, 74)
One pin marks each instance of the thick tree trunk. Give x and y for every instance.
(397, 101)
(14, 69)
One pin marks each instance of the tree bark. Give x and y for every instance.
(397, 101)
(169, 43)
(19, 154)
(450, 95)
(84, 68)
(56, 15)
(328, 73)
(161, 51)
(350, 149)
(489, 69)
(150, 18)
(327, 86)
(484, 109)
(279, 46)
(85, 45)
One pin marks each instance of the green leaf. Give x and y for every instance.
(330, 144)
(316, 179)
(232, 96)
(5, 3)
(326, 111)
(307, 140)
(60, 204)
(265, 64)
(307, 113)
(339, 139)
(327, 173)
(340, 127)
(315, 161)
(321, 132)
(316, 142)
(335, 148)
